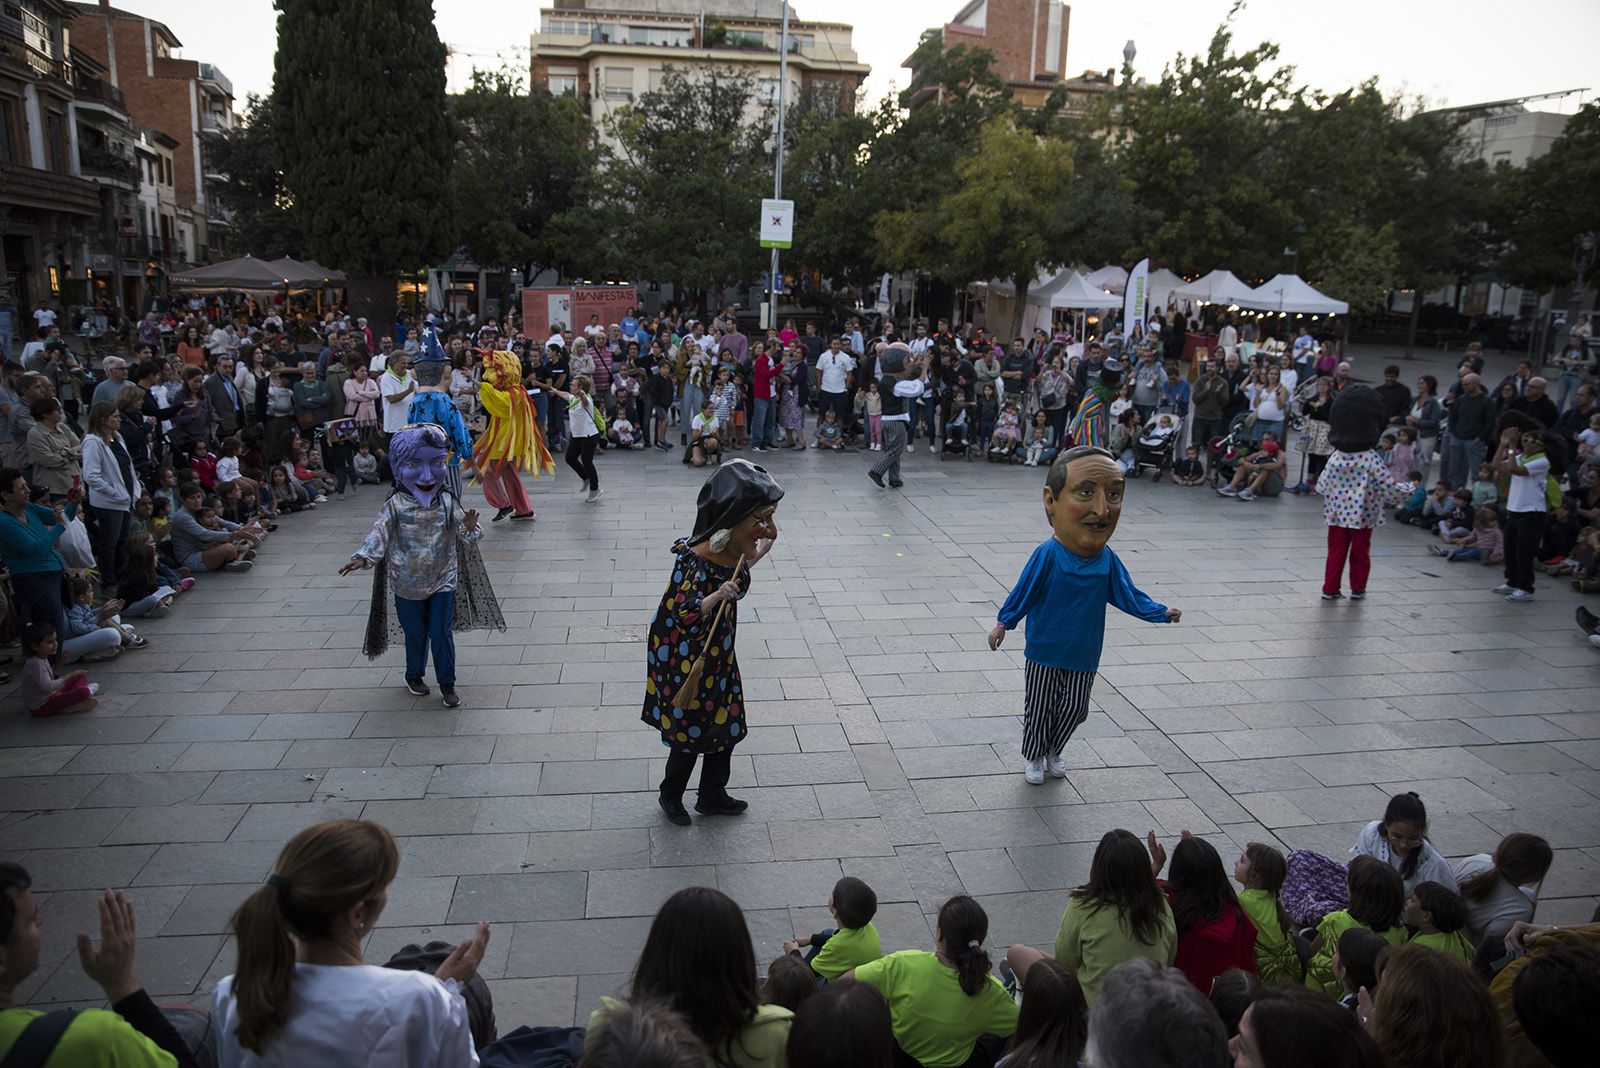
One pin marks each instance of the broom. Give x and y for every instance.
(691, 681)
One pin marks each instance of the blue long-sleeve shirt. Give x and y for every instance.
(29, 545)
(1063, 596)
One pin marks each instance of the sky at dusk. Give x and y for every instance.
(1459, 53)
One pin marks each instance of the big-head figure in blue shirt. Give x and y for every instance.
(1063, 592)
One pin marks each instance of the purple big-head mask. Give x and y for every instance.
(419, 455)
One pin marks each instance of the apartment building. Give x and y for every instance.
(1029, 41)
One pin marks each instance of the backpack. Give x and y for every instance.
(1313, 888)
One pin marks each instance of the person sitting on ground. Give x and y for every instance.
(1502, 889)
(1377, 899)
(947, 1010)
(1431, 1010)
(1152, 1017)
(828, 431)
(1439, 915)
(201, 548)
(1120, 913)
(1261, 870)
(1355, 965)
(789, 982)
(1214, 933)
(699, 961)
(133, 1034)
(844, 1023)
(1484, 542)
(1189, 471)
(854, 942)
(43, 692)
(644, 1035)
(1231, 995)
(1053, 1023)
(301, 993)
(1260, 474)
(83, 618)
(1549, 997)
(1288, 1027)
(1400, 840)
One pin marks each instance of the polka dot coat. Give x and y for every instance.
(1356, 487)
(714, 719)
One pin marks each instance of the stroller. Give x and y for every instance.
(1156, 445)
(1227, 450)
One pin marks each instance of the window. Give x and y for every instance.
(619, 83)
(660, 36)
(55, 142)
(566, 27)
(562, 84)
(1502, 158)
(767, 91)
(656, 76)
(9, 131)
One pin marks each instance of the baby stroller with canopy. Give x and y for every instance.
(1156, 444)
(1227, 450)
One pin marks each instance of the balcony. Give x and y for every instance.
(165, 250)
(101, 165)
(210, 73)
(45, 66)
(97, 91)
(33, 188)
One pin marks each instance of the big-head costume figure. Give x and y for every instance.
(734, 524)
(1063, 592)
(1357, 487)
(425, 546)
(512, 441)
(431, 403)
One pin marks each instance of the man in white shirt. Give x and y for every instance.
(834, 367)
(922, 342)
(1522, 457)
(44, 317)
(396, 386)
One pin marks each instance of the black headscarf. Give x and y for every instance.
(734, 490)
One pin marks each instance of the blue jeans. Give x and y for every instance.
(764, 420)
(689, 407)
(1461, 461)
(1566, 388)
(430, 622)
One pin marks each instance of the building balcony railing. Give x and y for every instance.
(98, 91)
(99, 163)
(151, 248)
(45, 66)
(210, 73)
(31, 187)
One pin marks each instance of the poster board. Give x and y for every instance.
(572, 306)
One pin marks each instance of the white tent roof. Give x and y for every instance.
(1004, 287)
(1218, 287)
(1078, 292)
(1291, 293)
(1162, 283)
(1113, 278)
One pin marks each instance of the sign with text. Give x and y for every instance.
(571, 307)
(777, 223)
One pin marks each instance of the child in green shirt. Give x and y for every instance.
(1261, 870)
(1439, 914)
(855, 941)
(1377, 898)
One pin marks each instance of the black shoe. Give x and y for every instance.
(501, 514)
(451, 698)
(417, 687)
(896, 485)
(676, 813)
(723, 806)
(876, 478)
(1588, 620)
(271, 527)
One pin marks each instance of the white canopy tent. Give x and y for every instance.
(1218, 287)
(1076, 291)
(1113, 278)
(1291, 293)
(1159, 289)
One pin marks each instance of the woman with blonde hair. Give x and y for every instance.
(302, 995)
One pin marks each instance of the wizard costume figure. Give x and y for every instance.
(693, 694)
(425, 546)
(512, 442)
(1092, 425)
(431, 403)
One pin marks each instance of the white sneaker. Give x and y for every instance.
(322, 498)
(1246, 495)
(1227, 491)
(1519, 596)
(1505, 589)
(910, 447)
(1057, 765)
(94, 689)
(1035, 772)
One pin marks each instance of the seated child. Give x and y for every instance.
(1041, 440)
(854, 942)
(1560, 533)
(1355, 964)
(43, 693)
(1581, 564)
(620, 432)
(1484, 489)
(142, 512)
(1457, 523)
(1123, 433)
(84, 621)
(1377, 898)
(160, 525)
(1261, 870)
(958, 424)
(365, 465)
(1007, 432)
(1589, 438)
(1410, 512)
(789, 982)
(1189, 471)
(828, 432)
(308, 469)
(1439, 914)
(148, 585)
(1484, 542)
(203, 463)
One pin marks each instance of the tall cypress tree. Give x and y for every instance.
(365, 137)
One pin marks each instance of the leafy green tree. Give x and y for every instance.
(265, 221)
(364, 137)
(1553, 200)
(825, 172)
(521, 161)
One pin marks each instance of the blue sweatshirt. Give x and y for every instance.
(1063, 595)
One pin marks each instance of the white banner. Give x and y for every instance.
(777, 223)
(1133, 298)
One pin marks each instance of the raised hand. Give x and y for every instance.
(462, 963)
(111, 966)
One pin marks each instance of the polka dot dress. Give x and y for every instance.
(714, 720)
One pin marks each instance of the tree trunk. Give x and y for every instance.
(1022, 307)
(1416, 317)
(372, 297)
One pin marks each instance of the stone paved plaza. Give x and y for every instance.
(884, 733)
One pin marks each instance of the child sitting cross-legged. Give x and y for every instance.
(1411, 512)
(1189, 471)
(855, 941)
(1457, 524)
(1484, 542)
(43, 693)
(1439, 914)
(98, 626)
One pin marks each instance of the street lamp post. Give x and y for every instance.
(777, 175)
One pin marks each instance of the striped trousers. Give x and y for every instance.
(1055, 703)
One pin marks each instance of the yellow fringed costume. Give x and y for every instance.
(513, 440)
